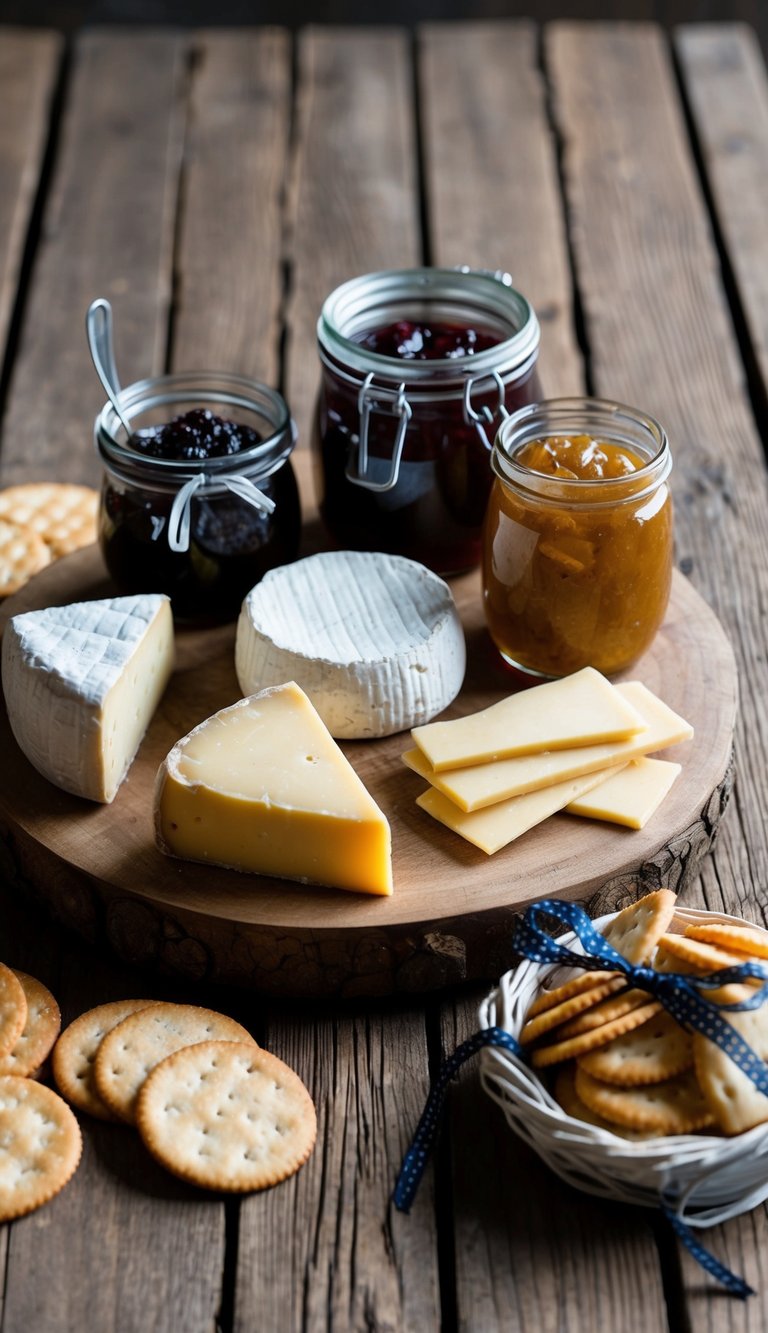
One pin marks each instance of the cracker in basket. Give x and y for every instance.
(651, 1054)
(730, 1094)
(135, 1046)
(572, 1047)
(633, 933)
(703, 957)
(22, 554)
(227, 1115)
(676, 1106)
(614, 1007)
(64, 515)
(40, 1145)
(13, 1009)
(749, 940)
(560, 1013)
(75, 1052)
(565, 1093)
(41, 1028)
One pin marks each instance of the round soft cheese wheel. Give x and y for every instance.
(374, 640)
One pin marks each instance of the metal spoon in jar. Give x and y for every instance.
(98, 326)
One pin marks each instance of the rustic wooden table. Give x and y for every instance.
(215, 185)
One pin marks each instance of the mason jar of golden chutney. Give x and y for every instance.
(578, 541)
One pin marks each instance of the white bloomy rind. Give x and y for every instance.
(375, 640)
(81, 684)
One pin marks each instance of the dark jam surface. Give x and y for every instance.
(196, 435)
(408, 340)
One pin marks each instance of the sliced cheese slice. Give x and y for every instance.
(629, 797)
(81, 684)
(485, 784)
(262, 786)
(582, 709)
(497, 825)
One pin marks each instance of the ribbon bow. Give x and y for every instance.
(179, 520)
(682, 995)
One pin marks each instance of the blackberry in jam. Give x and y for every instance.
(188, 461)
(437, 341)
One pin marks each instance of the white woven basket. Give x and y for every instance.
(705, 1179)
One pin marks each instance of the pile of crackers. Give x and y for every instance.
(210, 1105)
(39, 522)
(622, 1062)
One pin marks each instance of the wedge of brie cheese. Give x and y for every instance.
(374, 640)
(262, 786)
(81, 684)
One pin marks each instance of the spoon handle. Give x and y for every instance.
(98, 325)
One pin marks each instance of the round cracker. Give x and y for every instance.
(697, 954)
(653, 1053)
(22, 554)
(749, 940)
(565, 1093)
(40, 1145)
(547, 999)
(571, 1047)
(227, 1115)
(576, 1004)
(735, 1102)
(75, 1052)
(605, 1012)
(13, 1009)
(62, 513)
(673, 1107)
(128, 1053)
(41, 1028)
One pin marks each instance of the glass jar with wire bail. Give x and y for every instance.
(419, 367)
(200, 500)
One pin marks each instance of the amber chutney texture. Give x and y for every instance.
(578, 540)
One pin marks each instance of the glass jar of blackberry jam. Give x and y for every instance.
(200, 500)
(419, 368)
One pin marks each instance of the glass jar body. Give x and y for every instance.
(231, 542)
(402, 447)
(577, 572)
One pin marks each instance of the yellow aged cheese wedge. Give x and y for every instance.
(582, 709)
(484, 784)
(499, 824)
(262, 786)
(629, 797)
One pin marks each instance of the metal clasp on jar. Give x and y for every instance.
(485, 417)
(392, 402)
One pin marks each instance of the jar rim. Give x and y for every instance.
(215, 387)
(614, 421)
(349, 307)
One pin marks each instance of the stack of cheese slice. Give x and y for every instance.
(263, 786)
(579, 744)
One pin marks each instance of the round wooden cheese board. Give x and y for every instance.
(450, 917)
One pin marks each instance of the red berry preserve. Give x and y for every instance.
(419, 369)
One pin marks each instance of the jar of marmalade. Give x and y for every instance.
(419, 367)
(577, 560)
(200, 499)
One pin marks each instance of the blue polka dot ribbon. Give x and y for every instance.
(682, 995)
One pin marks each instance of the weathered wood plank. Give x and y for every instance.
(354, 206)
(227, 310)
(107, 230)
(29, 63)
(327, 1250)
(493, 199)
(725, 81)
(660, 335)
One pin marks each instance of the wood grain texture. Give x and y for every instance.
(227, 312)
(29, 64)
(529, 1251)
(347, 943)
(107, 231)
(493, 199)
(660, 334)
(725, 82)
(354, 205)
(332, 1252)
